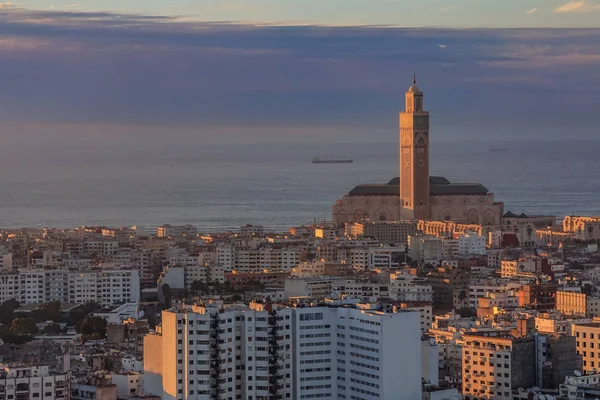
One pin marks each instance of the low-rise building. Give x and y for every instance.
(23, 382)
(494, 366)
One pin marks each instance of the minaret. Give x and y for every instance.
(414, 156)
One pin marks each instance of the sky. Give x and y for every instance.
(296, 70)
(407, 13)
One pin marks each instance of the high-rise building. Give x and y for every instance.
(268, 351)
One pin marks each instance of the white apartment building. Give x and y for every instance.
(382, 257)
(236, 352)
(118, 286)
(171, 231)
(100, 247)
(424, 309)
(33, 383)
(470, 243)
(311, 287)
(450, 248)
(106, 287)
(6, 261)
(309, 269)
(9, 287)
(32, 286)
(523, 266)
(247, 259)
(225, 256)
(479, 289)
(84, 287)
(252, 230)
(396, 232)
(132, 364)
(268, 351)
(129, 384)
(405, 287)
(425, 249)
(362, 289)
(57, 285)
(494, 258)
(204, 273)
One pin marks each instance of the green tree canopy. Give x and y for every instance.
(91, 325)
(7, 311)
(23, 326)
(52, 329)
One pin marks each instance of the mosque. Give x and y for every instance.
(415, 194)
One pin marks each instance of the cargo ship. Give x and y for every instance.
(318, 160)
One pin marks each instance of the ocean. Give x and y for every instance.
(219, 187)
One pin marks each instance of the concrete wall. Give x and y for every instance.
(523, 364)
(153, 365)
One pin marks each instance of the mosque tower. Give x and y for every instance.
(414, 156)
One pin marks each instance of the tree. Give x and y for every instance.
(7, 311)
(200, 288)
(466, 313)
(47, 312)
(91, 325)
(23, 326)
(12, 338)
(166, 295)
(77, 314)
(228, 288)
(52, 329)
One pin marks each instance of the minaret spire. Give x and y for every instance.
(415, 78)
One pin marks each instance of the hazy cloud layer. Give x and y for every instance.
(109, 70)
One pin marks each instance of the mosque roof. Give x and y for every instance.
(510, 214)
(438, 186)
(458, 189)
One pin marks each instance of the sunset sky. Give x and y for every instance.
(463, 13)
(297, 69)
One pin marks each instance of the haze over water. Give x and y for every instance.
(223, 186)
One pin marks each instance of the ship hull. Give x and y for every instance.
(333, 161)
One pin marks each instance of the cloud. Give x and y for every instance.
(106, 69)
(577, 6)
(448, 8)
(531, 11)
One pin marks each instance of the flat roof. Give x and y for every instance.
(438, 186)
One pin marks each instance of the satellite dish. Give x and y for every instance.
(549, 397)
(572, 381)
(372, 299)
(541, 397)
(577, 373)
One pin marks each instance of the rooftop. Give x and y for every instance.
(438, 186)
